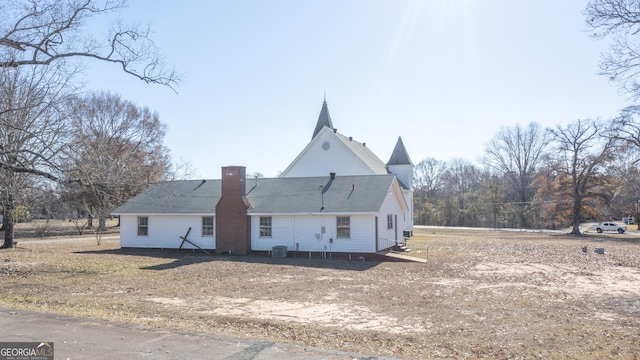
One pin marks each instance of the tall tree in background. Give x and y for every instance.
(32, 131)
(427, 181)
(47, 31)
(582, 151)
(461, 187)
(493, 197)
(620, 195)
(515, 153)
(554, 202)
(39, 35)
(620, 21)
(626, 128)
(118, 150)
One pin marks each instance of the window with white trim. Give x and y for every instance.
(343, 228)
(265, 226)
(143, 226)
(207, 226)
(390, 221)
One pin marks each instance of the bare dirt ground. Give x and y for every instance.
(481, 294)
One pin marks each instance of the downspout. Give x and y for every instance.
(375, 229)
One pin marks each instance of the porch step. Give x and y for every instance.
(401, 248)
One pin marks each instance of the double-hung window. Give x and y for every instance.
(343, 229)
(143, 225)
(265, 226)
(207, 226)
(390, 221)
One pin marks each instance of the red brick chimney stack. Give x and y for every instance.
(232, 222)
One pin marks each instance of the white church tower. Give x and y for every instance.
(401, 166)
(330, 152)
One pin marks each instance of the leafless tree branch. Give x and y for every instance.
(44, 32)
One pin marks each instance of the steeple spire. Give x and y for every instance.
(399, 155)
(324, 119)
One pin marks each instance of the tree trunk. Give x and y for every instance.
(577, 205)
(8, 224)
(102, 222)
(524, 222)
(90, 222)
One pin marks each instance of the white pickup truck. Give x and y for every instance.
(610, 226)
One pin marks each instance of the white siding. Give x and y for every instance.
(317, 161)
(165, 232)
(391, 207)
(282, 231)
(404, 173)
(362, 238)
(408, 215)
(306, 231)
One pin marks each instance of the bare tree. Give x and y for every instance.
(620, 21)
(428, 175)
(427, 181)
(626, 129)
(461, 183)
(36, 39)
(515, 153)
(47, 31)
(182, 170)
(493, 196)
(620, 195)
(583, 150)
(117, 151)
(32, 130)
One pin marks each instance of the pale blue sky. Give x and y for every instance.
(445, 75)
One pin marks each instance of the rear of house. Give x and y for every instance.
(350, 214)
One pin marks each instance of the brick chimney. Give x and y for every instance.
(233, 227)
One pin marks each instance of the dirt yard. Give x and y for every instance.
(481, 294)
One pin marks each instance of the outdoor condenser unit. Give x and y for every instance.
(279, 251)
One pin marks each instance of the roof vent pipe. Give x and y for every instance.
(350, 138)
(335, 130)
(332, 175)
(364, 144)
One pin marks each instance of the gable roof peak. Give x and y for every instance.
(400, 156)
(324, 119)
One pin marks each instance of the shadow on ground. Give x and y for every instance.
(353, 262)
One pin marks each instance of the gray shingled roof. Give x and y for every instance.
(344, 194)
(175, 197)
(400, 156)
(364, 153)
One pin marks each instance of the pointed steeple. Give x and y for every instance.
(399, 155)
(324, 119)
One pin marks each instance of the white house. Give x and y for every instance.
(336, 196)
